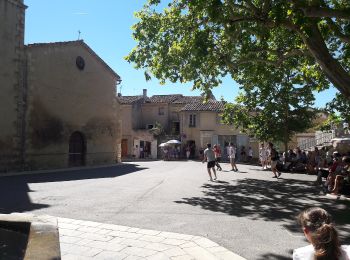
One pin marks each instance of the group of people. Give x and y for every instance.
(171, 152)
(335, 167)
(337, 175)
(213, 158)
(269, 156)
(316, 222)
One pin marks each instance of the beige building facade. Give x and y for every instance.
(58, 101)
(184, 118)
(201, 124)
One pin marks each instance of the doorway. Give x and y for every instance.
(192, 145)
(124, 148)
(77, 149)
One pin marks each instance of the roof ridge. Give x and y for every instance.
(82, 43)
(53, 43)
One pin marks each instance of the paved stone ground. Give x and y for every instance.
(87, 240)
(248, 212)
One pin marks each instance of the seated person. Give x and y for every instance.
(322, 235)
(342, 176)
(299, 167)
(333, 171)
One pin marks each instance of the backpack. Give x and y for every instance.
(276, 156)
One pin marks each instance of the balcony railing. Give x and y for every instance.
(320, 139)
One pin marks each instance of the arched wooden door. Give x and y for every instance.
(124, 147)
(77, 149)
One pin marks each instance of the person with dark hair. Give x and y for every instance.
(321, 233)
(274, 159)
(217, 152)
(209, 156)
(342, 176)
(334, 170)
(232, 157)
(263, 156)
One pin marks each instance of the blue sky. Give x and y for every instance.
(105, 26)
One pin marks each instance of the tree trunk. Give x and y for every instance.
(286, 131)
(330, 66)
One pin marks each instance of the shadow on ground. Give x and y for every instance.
(266, 200)
(14, 190)
(271, 256)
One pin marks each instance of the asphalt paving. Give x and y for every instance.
(248, 212)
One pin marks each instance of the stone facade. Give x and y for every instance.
(134, 129)
(63, 99)
(175, 114)
(11, 83)
(200, 124)
(58, 101)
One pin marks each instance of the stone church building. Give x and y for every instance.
(58, 105)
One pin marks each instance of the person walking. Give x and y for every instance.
(232, 156)
(321, 233)
(274, 157)
(217, 152)
(243, 154)
(209, 157)
(263, 156)
(188, 152)
(250, 154)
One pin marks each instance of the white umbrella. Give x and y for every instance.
(163, 144)
(173, 142)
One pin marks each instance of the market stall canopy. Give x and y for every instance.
(173, 142)
(163, 144)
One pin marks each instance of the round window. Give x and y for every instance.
(80, 63)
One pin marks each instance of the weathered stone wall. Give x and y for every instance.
(12, 94)
(63, 99)
(150, 114)
(205, 121)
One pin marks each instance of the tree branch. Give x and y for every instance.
(242, 7)
(326, 12)
(337, 31)
(252, 6)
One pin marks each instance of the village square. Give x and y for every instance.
(89, 170)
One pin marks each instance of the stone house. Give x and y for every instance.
(201, 124)
(185, 118)
(58, 101)
(135, 132)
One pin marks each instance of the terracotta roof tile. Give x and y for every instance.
(129, 99)
(188, 99)
(164, 98)
(210, 105)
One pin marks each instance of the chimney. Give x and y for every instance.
(144, 93)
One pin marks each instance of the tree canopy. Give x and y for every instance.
(272, 108)
(341, 106)
(201, 41)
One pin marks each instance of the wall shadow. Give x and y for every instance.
(14, 190)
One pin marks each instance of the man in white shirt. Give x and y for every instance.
(209, 157)
(232, 156)
(263, 156)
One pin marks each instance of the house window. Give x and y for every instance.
(175, 128)
(192, 121)
(219, 120)
(161, 111)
